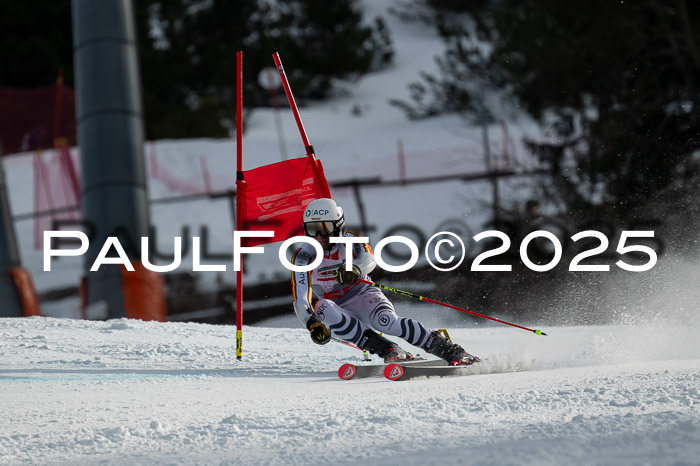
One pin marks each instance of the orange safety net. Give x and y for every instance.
(27, 293)
(144, 293)
(83, 297)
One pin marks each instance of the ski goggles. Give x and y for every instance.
(324, 228)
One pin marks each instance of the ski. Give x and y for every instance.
(397, 371)
(357, 371)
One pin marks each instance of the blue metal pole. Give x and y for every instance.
(10, 303)
(111, 137)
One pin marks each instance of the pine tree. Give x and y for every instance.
(187, 53)
(36, 43)
(188, 58)
(612, 84)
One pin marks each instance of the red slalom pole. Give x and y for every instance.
(292, 103)
(310, 152)
(240, 186)
(428, 300)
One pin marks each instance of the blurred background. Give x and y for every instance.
(428, 115)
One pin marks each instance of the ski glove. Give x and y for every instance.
(320, 334)
(345, 277)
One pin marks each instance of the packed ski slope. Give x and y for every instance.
(116, 392)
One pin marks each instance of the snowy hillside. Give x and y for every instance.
(350, 143)
(118, 392)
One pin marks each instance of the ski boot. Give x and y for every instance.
(450, 352)
(376, 344)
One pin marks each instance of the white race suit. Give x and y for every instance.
(348, 310)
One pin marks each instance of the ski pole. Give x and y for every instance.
(422, 298)
(365, 354)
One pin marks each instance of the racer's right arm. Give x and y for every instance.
(301, 290)
(301, 283)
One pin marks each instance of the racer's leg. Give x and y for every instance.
(375, 309)
(349, 328)
(341, 324)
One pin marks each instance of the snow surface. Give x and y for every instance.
(116, 392)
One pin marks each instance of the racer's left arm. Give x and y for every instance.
(363, 258)
(362, 263)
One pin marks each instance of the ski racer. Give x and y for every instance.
(330, 300)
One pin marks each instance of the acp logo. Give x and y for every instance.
(316, 212)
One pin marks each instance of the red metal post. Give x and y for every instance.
(239, 190)
(307, 145)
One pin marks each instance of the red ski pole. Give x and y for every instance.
(428, 300)
(365, 354)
